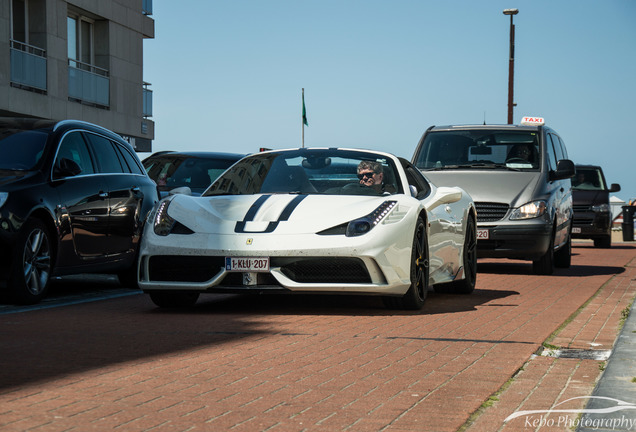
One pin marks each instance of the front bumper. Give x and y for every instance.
(516, 240)
(591, 225)
(372, 264)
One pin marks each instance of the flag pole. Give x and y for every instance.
(302, 119)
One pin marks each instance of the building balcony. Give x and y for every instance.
(147, 96)
(88, 84)
(28, 66)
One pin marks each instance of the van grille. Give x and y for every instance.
(490, 212)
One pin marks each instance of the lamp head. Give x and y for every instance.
(511, 11)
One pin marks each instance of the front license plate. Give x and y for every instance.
(576, 230)
(247, 264)
(483, 234)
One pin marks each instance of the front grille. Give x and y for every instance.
(323, 270)
(581, 208)
(490, 212)
(169, 268)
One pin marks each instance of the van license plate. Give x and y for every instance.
(247, 264)
(483, 234)
(576, 230)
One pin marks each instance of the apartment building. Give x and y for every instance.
(78, 59)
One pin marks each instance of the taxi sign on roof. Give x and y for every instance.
(532, 121)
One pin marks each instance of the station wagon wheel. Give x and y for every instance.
(416, 294)
(31, 266)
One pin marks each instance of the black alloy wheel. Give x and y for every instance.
(31, 266)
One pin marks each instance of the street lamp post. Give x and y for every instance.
(511, 63)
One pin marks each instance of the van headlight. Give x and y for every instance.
(530, 210)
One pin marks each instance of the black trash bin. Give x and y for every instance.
(628, 223)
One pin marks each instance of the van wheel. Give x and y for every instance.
(563, 257)
(603, 242)
(31, 266)
(545, 264)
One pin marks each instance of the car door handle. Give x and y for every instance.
(135, 189)
(103, 194)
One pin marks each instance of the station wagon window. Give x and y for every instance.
(74, 147)
(128, 159)
(107, 158)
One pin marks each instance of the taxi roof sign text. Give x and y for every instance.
(532, 121)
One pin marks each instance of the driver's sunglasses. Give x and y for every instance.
(366, 174)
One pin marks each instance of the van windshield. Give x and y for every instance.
(588, 179)
(480, 149)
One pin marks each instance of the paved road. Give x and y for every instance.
(293, 363)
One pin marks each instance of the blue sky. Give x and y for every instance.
(227, 75)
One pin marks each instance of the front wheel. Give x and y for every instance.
(31, 265)
(545, 264)
(563, 257)
(603, 242)
(173, 299)
(416, 294)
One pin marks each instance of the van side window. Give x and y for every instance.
(558, 150)
(563, 149)
(550, 151)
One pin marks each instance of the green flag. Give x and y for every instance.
(304, 111)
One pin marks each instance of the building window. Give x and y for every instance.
(88, 81)
(28, 44)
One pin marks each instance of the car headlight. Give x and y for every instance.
(365, 224)
(163, 223)
(530, 210)
(602, 208)
(4, 196)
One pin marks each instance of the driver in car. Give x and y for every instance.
(371, 175)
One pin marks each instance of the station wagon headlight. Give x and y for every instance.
(602, 208)
(4, 196)
(365, 224)
(531, 210)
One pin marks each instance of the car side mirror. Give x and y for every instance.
(67, 168)
(564, 170)
(615, 187)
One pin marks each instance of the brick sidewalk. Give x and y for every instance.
(311, 363)
(546, 381)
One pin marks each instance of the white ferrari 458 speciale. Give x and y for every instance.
(312, 220)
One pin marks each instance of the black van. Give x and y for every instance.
(590, 199)
(519, 177)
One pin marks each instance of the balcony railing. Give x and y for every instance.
(88, 83)
(28, 65)
(146, 7)
(147, 95)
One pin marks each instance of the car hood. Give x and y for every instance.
(589, 197)
(10, 177)
(286, 213)
(510, 187)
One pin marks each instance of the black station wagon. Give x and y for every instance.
(73, 199)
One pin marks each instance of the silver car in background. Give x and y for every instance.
(519, 177)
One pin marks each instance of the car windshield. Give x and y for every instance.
(171, 171)
(588, 179)
(310, 171)
(21, 150)
(480, 149)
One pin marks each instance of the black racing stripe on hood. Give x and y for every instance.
(284, 215)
